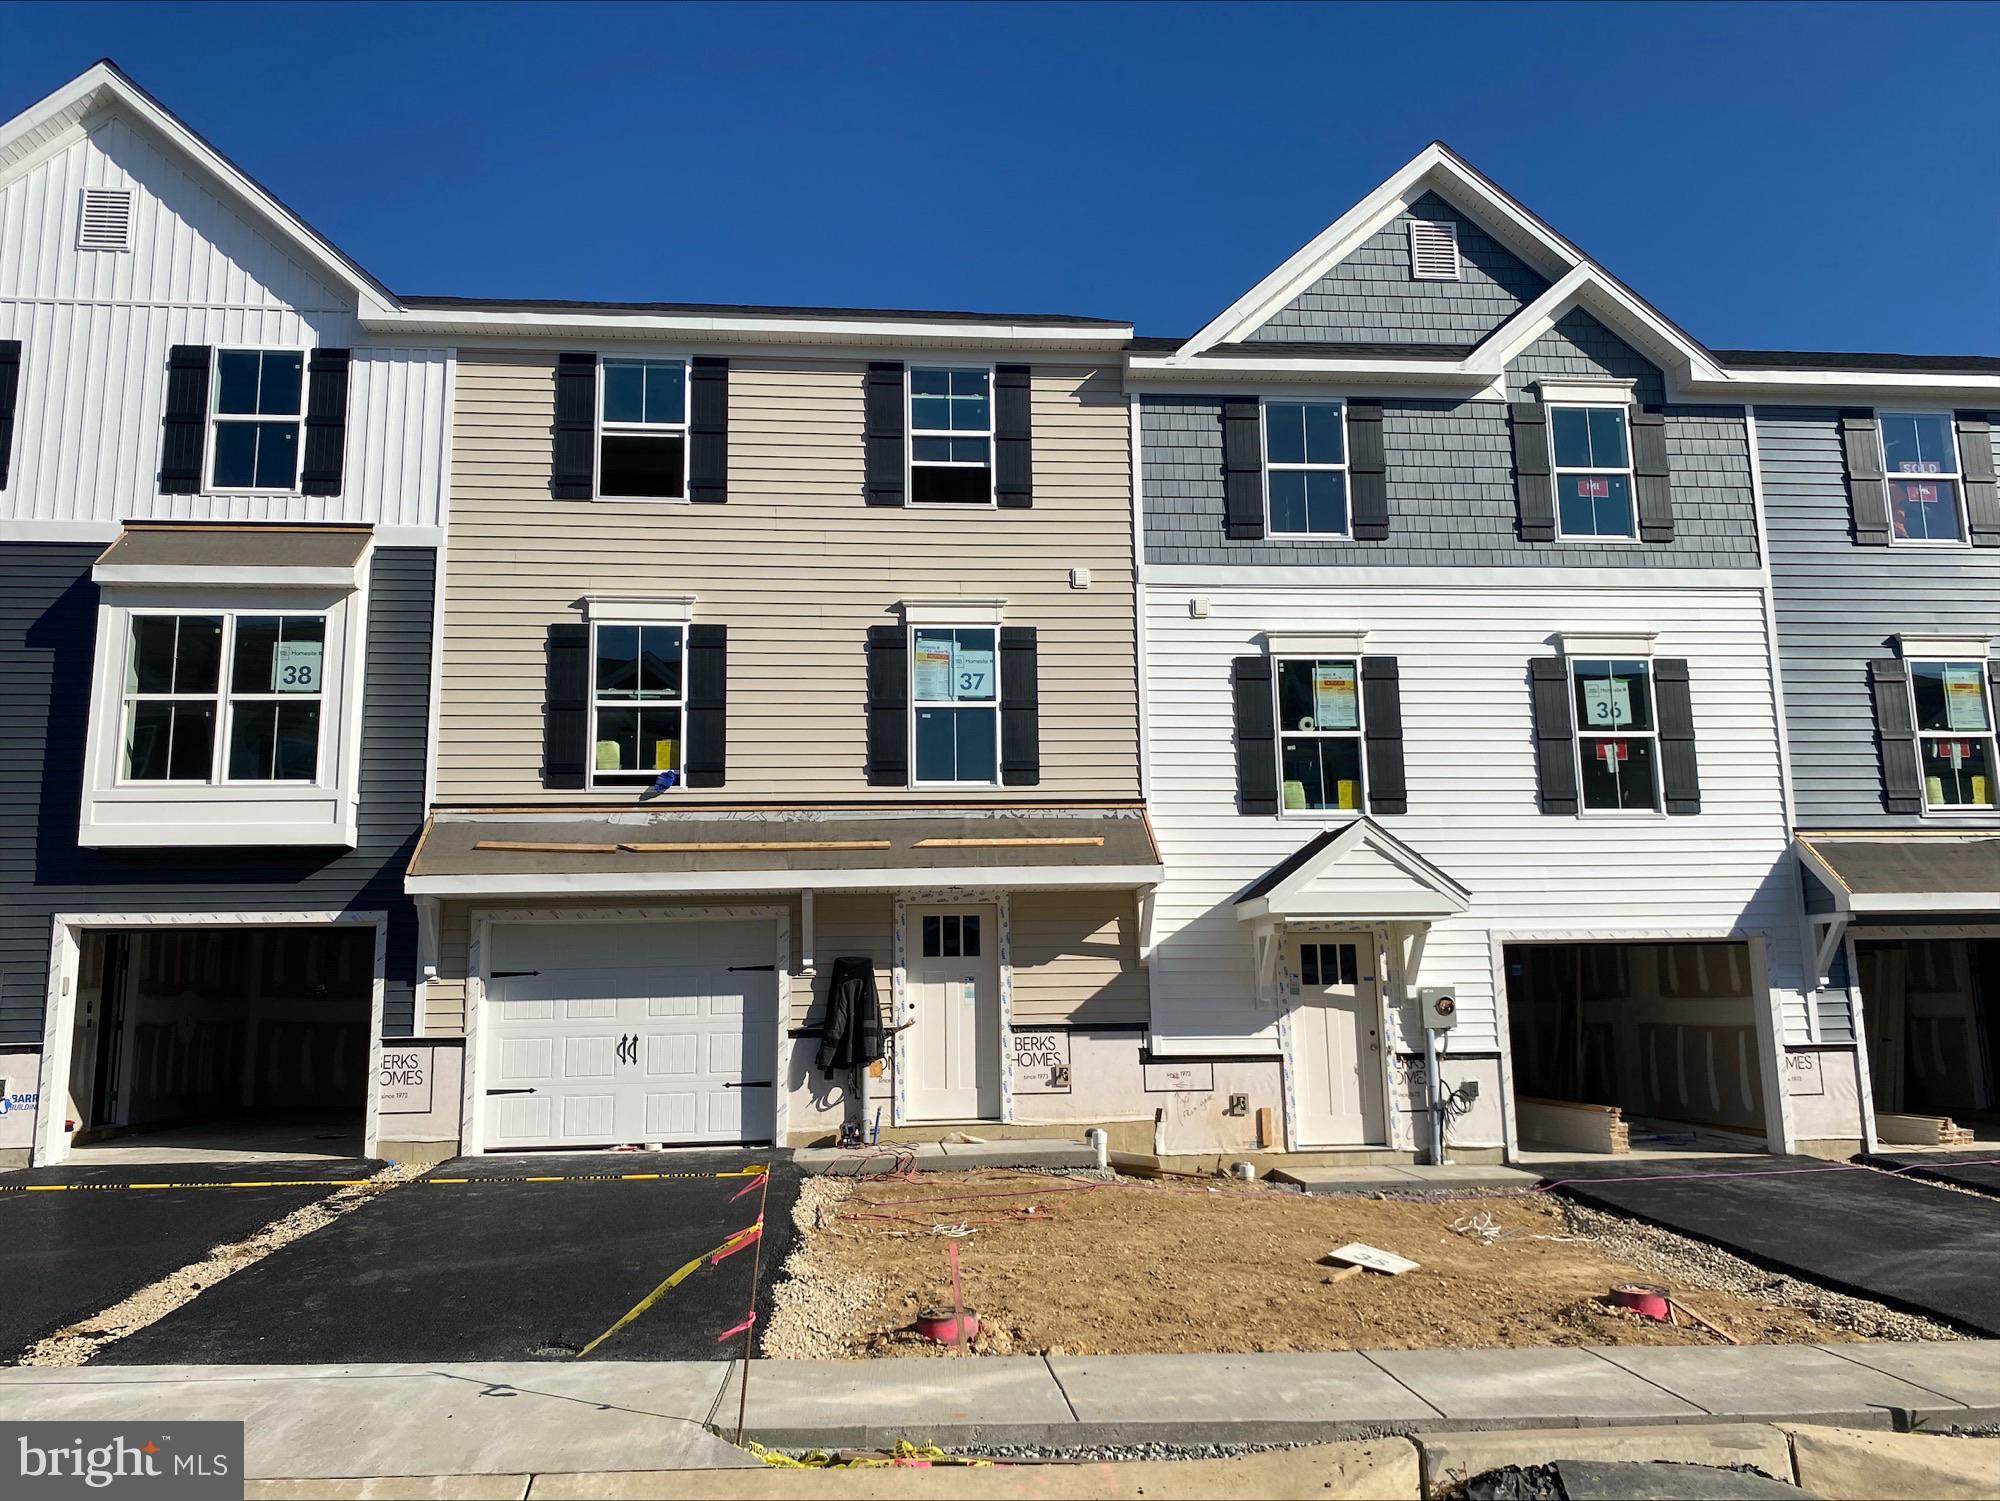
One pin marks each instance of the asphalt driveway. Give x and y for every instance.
(74, 1241)
(501, 1267)
(1908, 1244)
(1977, 1170)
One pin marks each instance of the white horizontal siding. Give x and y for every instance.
(1472, 794)
(95, 328)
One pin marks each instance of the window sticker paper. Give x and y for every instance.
(1336, 696)
(934, 669)
(972, 671)
(1964, 697)
(1607, 702)
(295, 666)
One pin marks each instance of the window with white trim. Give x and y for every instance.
(637, 699)
(1617, 736)
(1920, 458)
(955, 705)
(642, 429)
(1305, 468)
(951, 436)
(257, 413)
(223, 697)
(1953, 707)
(1592, 452)
(1319, 735)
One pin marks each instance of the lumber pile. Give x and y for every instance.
(1922, 1131)
(1582, 1128)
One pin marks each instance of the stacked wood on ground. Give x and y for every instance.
(1923, 1131)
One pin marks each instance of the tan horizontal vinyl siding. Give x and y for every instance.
(1076, 961)
(863, 926)
(797, 567)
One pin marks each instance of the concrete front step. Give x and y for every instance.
(1412, 1176)
(942, 1156)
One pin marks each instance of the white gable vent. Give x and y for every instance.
(106, 220)
(1433, 250)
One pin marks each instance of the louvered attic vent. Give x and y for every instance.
(1433, 250)
(106, 220)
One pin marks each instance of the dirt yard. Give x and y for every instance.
(1072, 1265)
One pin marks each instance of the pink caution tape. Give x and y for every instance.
(732, 1333)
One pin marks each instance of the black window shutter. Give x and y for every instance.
(10, 388)
(1896, 732)
(326, 423)
(882, 442)
(1367, 473)
(1242, 469)
(1555, 754)
(1256, 735)
(1867, 486)
(184, 426)
(574, 476)
(566, 715)
(1975, 455)
(1651, 475)
(708, 431)
(1680, 777)
(1013, 437)
(1020, 709)
(1535, 489)
(707, 705)
(888, 707)
(1382, 729)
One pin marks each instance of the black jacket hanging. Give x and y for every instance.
(852, 1035)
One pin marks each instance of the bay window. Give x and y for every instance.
(223, 697)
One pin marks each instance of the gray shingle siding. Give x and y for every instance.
(1579, 347)
(48, 620)
(1371, 296)
(1451, 481)
(1838, 607)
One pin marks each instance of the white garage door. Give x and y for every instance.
(600, 1034)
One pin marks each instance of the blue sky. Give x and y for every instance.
(1783, 176)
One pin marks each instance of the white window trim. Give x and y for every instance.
(1612, 399)
(954, 612)
(218, 419)
(632, 779)
(639, 609)
(1613, 644)
(1607, 392)
(1963, 541)
(910, 670)
(642, 429)
(1359, 734)
(1991, 735)
(1264, 443)
(119, 813)
(912, 432)
(223, 696)
(1577, 730)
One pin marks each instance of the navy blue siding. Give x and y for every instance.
(48, 624)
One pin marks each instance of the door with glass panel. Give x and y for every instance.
(1337, 1042)
(951, 990)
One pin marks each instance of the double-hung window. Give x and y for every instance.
(1593, 472)
(1305, 468)
(955, 704)
(1920, 456)
(1617, 736)
(642, 430)
(223, 697)
(1319, 734)
(257, 415)
(636, 698)
(1955, 740)
(951, 436)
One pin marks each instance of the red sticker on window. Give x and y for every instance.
(1594, 489)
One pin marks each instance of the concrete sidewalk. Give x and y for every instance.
(545, 1417)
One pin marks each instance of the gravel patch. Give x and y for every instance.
(1686, 1263)
(815, 1303)
(78, 1342)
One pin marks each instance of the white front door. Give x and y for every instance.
(603, 1034)
(1337, 1043)
(951, 984)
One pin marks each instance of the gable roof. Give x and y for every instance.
(1401, 884)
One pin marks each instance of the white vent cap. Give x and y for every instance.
(1433, 250)
(105, 222)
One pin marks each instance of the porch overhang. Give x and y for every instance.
(1358, 872)
(657, 852)
(1865, 875)
(179, 554)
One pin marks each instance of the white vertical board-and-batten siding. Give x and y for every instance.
(1469, 743)
(95, 327)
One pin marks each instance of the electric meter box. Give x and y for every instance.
(1439, 1004)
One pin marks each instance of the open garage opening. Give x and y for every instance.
(1636, 1047)
(228, 1042)
(1933, 1009)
